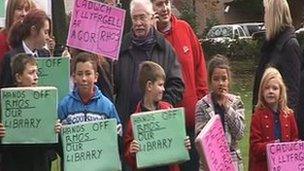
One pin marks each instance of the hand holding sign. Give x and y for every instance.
(2, 130)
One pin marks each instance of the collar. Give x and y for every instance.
(28, 50)
(127, 41)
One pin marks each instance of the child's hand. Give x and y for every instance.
(277, 141)
(58, 126)
(2, 130)
(187, 143)
(134, 147)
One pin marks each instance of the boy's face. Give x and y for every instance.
(85, 77)
(29, 77)
(156, 89)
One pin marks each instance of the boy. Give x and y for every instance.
(151, 81)
(26, 157)
(86, 102)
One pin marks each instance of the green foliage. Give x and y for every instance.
(188, 14)
(239, 49)
(210, 22)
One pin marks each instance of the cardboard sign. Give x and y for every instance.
(285, 156)
(212, 143)
(55, 72)
(2, 8)
(29, 115)
(2, 12)
(161, 135)
(91, 146)
(97, 28)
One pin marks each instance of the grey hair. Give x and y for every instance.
(147, 4)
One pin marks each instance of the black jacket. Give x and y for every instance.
(161, 53)
(284, 54)
(6, 77)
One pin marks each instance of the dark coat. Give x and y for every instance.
(6, 75)
(284, 54)
(130, 56)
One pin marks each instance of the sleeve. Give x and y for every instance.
(257, 143)
(6, 75)
(201, 117)
(174, 86)
(294, 128)
(128, 138)
(235, 118)
(114, 113)
(200, 66)
(291, 75)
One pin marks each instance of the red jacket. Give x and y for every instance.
(192, 60)
(128, 137)
(262, 133)
(4, 48)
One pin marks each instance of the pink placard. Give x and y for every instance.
(212, 143)
(96, 27)
(285, 156)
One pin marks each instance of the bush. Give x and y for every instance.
(239, 49)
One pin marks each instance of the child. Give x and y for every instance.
(272, 121)
(220, 102)
(26, 157)
(86, 102)
(151, 81)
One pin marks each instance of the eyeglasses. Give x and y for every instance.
(142, 18)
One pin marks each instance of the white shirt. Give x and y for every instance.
(28, 50)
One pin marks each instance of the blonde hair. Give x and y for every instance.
(277, 17)
(269, 74)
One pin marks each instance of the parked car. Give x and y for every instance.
(251, 28)
(222, 33)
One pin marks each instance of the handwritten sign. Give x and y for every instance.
(29, 115)
(91, 146)
(161, 135)
(55, 72)
(97, 28)
(2, 8)
(212, 144)
(285, 156)
(2, 12)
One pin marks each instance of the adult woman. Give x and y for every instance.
(27, 36)
(15, 10)
(280, 50)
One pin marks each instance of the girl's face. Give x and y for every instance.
(42, 35)
(220, 81)
(271, 92)
(21, 11)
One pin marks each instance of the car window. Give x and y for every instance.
(220, 32)
(241, 32)
(252, 29)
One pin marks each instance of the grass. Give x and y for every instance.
(242, 84)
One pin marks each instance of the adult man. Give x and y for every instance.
(141, 44)
(190, 55)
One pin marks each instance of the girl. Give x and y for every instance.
(273, 120)
(27, 36)
(15, 11)
(230, 108)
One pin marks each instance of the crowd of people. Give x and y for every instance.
(161, 65)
